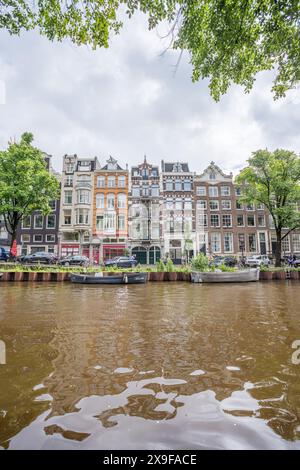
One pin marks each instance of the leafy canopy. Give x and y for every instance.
(273, 179)
(229, 41)
(25, 183)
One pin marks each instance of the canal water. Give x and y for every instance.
(156, 366)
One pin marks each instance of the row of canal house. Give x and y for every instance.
(151, 211)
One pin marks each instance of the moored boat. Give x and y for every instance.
(122, 278)
(245, 275)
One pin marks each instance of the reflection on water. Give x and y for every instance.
(156, 366)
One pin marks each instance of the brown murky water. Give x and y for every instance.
(157, 366)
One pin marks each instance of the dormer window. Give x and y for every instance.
(212, 175)
(177, 168)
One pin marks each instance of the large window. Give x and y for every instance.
(155, 191)
(100, 181)
(169, 204)
(38, 221)
(187, 186)
(201, 204)
(296, 242)
(201, 191)
(67, 218)
(82, 216)
(226, 220)
(135, 191)
(110, 201)
(202, 220)
(51, 221)
(213, 191)
(226, 205)
(178, 204)
(37, 238)
(68, 181)
(241, 241)
(252, 242)
(109, 222)
(121, 181)
(178, 185)
(228, 243)
(99, 223)
(214, 205)
(188, 205)
(26, 221)
(261, 221)
(285, 244)
(169, 185)
(251, 220)
(111, 180)
(83, 196)
(25, 238)
(240, 220)
(50, 238)
(100, 201)
(121, 201)
(239, 205)
(52, 205)
(225, 190)
(216, 242)
(121, 222)
(214, 220)
(68, 197)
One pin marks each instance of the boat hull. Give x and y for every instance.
(249, 275)
(126, 278)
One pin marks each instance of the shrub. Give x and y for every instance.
(200, 262)
(170, 266)
(160, 267)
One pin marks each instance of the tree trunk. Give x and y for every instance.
(278, 249)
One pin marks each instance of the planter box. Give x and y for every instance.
(18, 276)
(156, 276)
(186, 277)
(294, 275)
(266, 276)
(32, 276)
(280, 275)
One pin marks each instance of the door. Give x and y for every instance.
(262, 243)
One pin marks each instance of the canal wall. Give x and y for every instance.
(35, 276)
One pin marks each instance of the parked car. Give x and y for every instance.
(296, 263)
(4, 254)
(39, 257)
(73, 260)
(121, 262)
(258, 260)
(227, 260)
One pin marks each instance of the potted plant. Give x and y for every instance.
(159, 274)
(294, 274)
(265, 273)
(170, 269)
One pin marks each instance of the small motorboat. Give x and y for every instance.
(98, 278)
(243, 275)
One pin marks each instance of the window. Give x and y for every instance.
(83, 196)
(82, 216)
(51, 221)
(250, 207)
(69, 181)
(68, 197)
(225, 190)
(213, 191)
(214, 205)
(99, 223)
(100, 181)
(201, 204)
(296, 241)
(84, 180)
(38, 221)
(216, 242)
(111, 181)
(250, 220)
(260, 207)
(169, 204)
(238, 191)
(50, 238)
(214, 220)
(178, 185)
(252, 242)
(201, 191)
(155, 191)
(135, 191)
(178, 204)
(226, 220)
(109, 222)
(169, 185)
(100, 201)
(212, 176)
(121, 201)
(239, 205)
(145, 191)
(202, 220)
(226, 205)
(52, 205)
(25, 238)
(285, 244)
(67, 217)
(121, 222)
(69, 168)
(154, 172)
(228, 243)
(187, 186)
(241, 241)
(261, 221)
(240, 221)
(38, 238)
(26, 221)
(188, 205)
(110, 201)
(121, 181)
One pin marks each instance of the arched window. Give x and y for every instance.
(121, 200)
(110, 201)
(100, 201)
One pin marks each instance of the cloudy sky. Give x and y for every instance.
(127, 101)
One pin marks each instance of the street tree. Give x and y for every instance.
(273, 179)
(25, 183)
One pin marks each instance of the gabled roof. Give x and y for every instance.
(111, 162)
(213, 168)
(175, 167)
